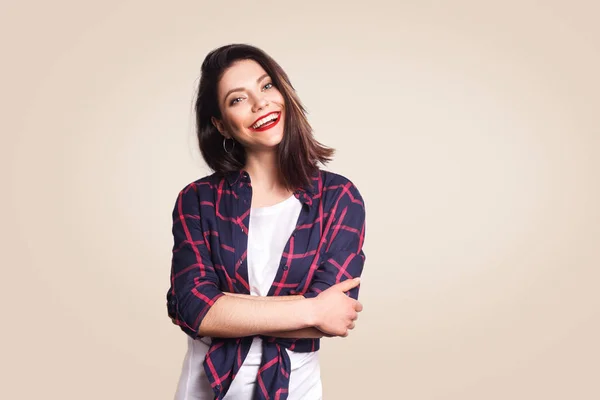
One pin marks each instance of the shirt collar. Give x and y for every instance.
(304, 193)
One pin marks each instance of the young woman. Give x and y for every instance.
(268, 249)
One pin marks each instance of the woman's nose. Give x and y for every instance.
(260, 104)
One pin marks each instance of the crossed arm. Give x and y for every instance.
(302, 333)
(200, 308)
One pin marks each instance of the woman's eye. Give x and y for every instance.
(235, 101)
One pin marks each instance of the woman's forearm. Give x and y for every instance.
(235, 316)
(306, 333)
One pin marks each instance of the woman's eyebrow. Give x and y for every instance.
(241, 89)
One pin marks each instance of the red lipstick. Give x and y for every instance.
(268, 125)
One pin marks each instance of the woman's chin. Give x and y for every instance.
(264, 140)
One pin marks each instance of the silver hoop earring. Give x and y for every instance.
(225, 147)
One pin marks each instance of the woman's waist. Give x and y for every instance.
(300, 351)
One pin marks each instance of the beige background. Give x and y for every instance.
(471, 129)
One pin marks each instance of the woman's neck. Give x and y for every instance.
(267, 186)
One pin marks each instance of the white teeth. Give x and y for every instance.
(266, 119)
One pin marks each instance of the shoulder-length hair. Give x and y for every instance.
(298, 153)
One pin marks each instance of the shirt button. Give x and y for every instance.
(285, 267)
(218, 387)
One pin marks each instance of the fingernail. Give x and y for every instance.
(357, 279)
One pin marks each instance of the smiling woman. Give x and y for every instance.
(268, 249)
(241, 106)
(240, 84)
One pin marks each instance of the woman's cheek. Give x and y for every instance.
(238, 120)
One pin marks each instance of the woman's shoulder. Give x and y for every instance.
(338, 184)
(331, 178)
(205, 184)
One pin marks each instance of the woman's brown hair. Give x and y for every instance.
(298, 153)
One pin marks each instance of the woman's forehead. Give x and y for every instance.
(242, 73)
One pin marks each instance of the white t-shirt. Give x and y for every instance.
(268, 232)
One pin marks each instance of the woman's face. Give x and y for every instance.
(251, 106)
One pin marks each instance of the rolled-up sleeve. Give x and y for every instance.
(194, 283)
(343, 257)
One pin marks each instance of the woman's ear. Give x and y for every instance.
(219, 125)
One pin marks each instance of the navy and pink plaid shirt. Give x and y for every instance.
(210, 230)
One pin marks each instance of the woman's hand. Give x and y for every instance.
(335, 312)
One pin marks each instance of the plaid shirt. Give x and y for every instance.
(210, 230)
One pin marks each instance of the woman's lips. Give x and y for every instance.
(268, 125)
